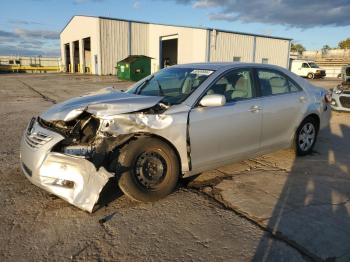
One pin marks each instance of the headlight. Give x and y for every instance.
(338, 91)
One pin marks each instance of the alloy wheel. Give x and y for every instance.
(307, 136)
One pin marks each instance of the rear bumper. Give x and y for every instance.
(71, 178)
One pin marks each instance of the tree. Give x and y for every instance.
(325, 49)
(345, 44)
(297, 48)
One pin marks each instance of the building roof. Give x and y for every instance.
(194, 27)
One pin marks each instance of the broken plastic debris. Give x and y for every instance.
(59, 172)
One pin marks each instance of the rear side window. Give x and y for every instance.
(274, 83)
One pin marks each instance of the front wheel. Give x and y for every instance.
(306, 136)
(310, 76)
(148, 168)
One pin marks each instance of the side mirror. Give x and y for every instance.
(213, 100)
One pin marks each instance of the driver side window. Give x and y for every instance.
(236, 85)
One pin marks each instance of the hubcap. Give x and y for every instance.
(307, 136)
(150, 169)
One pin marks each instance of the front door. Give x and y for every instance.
(229, 132)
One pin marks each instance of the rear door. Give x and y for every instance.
(232, 131)
(283, 103)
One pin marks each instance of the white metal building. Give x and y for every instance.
(96, 44)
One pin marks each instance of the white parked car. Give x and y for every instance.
(181, 121)
(307, 69)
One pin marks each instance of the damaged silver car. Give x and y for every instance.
(178, 122)
(341, 93)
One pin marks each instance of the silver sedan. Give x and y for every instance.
(176, 123)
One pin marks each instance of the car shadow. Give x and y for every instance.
(109, 193)
(312, 211)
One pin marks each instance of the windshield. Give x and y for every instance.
(174, 84)
(313, 65)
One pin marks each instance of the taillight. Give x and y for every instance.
(328, 97)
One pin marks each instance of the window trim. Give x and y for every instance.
(280, 73)
(254, 86)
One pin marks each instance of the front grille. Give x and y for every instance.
(36, 139)
(321, 72)
(346, 92)
(345, 101)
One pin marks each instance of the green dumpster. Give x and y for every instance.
(134, 67)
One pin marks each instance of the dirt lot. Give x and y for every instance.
(272, 208)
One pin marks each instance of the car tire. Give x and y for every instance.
(306, 136)
(149, 169)
(310, 76)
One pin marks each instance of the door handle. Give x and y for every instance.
(302, 99)
(255, 109)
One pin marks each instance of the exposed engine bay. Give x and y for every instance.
(345, 85)
(82, 138)
(89, 137)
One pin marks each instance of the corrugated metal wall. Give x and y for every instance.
(275, 50)
(225, 46)
(139, 39)
(114, 44)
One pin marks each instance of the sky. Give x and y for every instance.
(32, 27)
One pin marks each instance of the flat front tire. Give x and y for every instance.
(149, 169)
(305, 137)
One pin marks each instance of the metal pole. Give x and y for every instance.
(254, 50)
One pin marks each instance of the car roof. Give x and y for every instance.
(206, 66)
(223, 65)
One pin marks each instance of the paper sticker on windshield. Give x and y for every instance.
(202, 72)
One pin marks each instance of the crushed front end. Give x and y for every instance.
(66, 159)
(341, 97)
(72, 149)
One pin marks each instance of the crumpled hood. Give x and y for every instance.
(104, 103)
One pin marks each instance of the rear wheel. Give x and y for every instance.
(306, 136)
(310, 76)
(149, 169)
